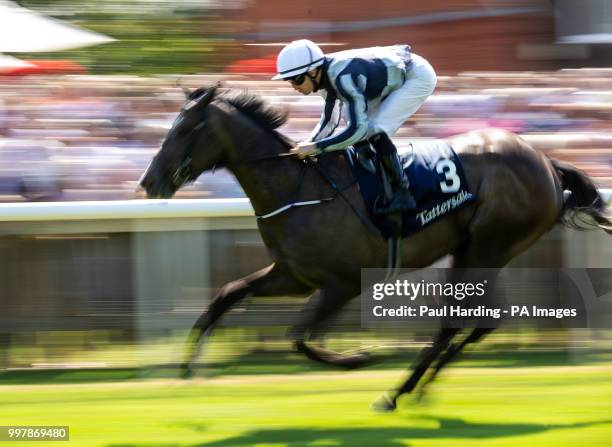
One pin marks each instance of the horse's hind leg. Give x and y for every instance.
(491, 246)
(388, 401)
(270, 281)
(473, 255)
(313, 321)
(451, 352)
(483, 326)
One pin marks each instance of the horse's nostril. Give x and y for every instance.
(144, 183)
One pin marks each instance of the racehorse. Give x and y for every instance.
(520, 196)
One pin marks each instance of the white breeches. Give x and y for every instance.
(390, 114)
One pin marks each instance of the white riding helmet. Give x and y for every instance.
(298, 57)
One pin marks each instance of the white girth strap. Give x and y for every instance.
(282, 209)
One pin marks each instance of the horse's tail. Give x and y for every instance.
(584, 200)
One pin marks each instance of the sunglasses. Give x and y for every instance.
(297, 80)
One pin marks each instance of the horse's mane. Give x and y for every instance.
(256, 109)
(264, 115)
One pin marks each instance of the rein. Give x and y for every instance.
(369, 225)
(312, 161)
(299, 183)
(337, 191)
(267, 158)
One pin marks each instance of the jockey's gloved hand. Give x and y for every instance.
(305, 149)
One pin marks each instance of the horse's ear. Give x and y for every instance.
(186, 91)
(208, 96)
(201, 100)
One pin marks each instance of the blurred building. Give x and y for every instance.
(454, 35)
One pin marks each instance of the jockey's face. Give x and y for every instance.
(304, 84)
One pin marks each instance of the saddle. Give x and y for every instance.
(437, 182)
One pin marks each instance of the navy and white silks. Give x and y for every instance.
(375, 90)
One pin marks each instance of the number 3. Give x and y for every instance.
(451, 181)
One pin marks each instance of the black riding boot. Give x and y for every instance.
(402, 197)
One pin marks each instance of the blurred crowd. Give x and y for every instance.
(70, 138)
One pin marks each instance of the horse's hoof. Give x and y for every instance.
(384, 404)
(187, 371)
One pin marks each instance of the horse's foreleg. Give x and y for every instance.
(388, 402)
(270, 281)
(314, 317)
(229, 295)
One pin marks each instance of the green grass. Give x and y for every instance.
(523, 406)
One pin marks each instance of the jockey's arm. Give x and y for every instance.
(357, 127)
(330, 118)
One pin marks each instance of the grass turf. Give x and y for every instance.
(531, 406)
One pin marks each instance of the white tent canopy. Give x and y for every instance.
(24, 31)
(10, 62)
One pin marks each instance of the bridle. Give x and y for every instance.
(184, 173)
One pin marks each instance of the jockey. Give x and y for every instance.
(379, 89)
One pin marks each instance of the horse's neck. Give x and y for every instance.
(272, 184)
(264, 181)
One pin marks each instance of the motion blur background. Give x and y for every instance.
(81, 124)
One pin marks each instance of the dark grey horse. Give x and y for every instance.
(324, 247)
